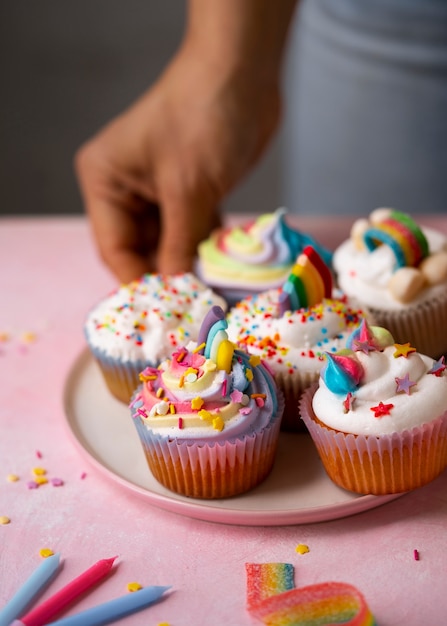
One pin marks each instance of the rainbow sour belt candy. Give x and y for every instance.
(272, 599)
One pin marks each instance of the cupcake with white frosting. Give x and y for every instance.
(238, 261)
(398, 270)
(379, 415)
(140, 323)
(291, 327)
(209, 416)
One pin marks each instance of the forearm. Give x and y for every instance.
(241, 36)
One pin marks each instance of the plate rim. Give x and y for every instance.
(205, 510)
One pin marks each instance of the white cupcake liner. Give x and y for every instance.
(382, 464)
(121, 377)
(211, 469)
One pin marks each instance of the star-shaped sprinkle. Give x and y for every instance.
(364, 346)
(236, 396)
(382, 409)
(438, 367)
(404, 384)
(403, 349)
(254, 360)
(197, 403)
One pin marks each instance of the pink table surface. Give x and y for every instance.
(49, 277)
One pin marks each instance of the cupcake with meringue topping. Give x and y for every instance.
(378, 416)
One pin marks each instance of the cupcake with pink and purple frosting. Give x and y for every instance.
(209, 416)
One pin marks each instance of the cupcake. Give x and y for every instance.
(399, 271)
(291, 327)
(209, 417)
(379, 415)
(243, 260)
(140, 323)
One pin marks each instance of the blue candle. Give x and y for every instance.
(30, 589)
(114, 609)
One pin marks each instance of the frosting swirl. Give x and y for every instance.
(209, 391)
(389, 389)
(390, 262)
(145, 319)
(260, 254)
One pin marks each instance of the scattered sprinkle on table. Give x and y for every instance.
(416, 555)
(39, 471)
(133, 587)
(46, 552)
(4, 520)
(302, 548)
(12, 478)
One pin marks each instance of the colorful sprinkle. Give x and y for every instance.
(45, 552)
(39, 471)
(416, 555)
(438, 367)
(4, 520)
(131, 587)
(382, 409)
(403, 349)
(404, 384)
(12, 478)
(302, 548)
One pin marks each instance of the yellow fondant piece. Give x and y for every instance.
(225, 355)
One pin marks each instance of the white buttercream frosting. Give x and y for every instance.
(426, 400)
(366, 274)
(147, 318)
(295, 340)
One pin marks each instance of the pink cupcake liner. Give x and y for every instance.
(379, 465)
(212, 469)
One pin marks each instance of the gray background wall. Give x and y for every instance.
(68, 67)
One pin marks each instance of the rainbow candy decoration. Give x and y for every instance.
(342, 372)
(213, 339)
(273, 600)
(401, 233)
(308, 283)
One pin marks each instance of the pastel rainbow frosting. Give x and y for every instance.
(309, 282)
(273, 600)
(259, 254)
(207, 390)
(401, 233)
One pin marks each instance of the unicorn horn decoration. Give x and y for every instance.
(342, 372)
(213, 339)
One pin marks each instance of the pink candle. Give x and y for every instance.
(43, 613)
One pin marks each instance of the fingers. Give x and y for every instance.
(124, 225)
(189, 214)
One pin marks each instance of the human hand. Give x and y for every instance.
(153, 179)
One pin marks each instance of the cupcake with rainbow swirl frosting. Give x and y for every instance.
(237, 261)
(379, 414)
(290, 328)
(398, 270)
(208, 417)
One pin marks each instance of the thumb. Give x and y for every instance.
(186, 220)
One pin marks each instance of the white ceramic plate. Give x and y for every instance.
(297, 491)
